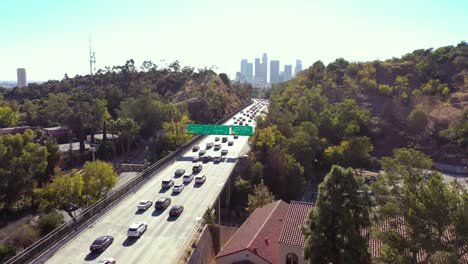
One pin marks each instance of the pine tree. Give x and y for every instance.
(333, 228)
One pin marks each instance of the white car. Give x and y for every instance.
(107, 261)
(137, 229)
(178, 188)
(144, 204)
(200, 179)
(187, 178)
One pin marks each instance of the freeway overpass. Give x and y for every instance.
(166, 237)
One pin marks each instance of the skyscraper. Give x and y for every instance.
(243, 71)
(298, 67)
(258, 68)
(287, 72)
(265, 68)
(21, 74)
(274, 71)
(249, 74)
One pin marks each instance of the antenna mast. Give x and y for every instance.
(92, 58)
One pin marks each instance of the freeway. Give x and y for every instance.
(166, 237)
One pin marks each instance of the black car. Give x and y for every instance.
(225, 139)
(236, 136)
(195, 148)
(176, 210)
(202, 152)
(197, 168)
(179, 172)
(167, 183)
(206, 159)
(230, 143)
(162, 203)
(101, 243)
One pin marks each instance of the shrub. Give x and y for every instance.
(417, 119)
(49, 222)
(385, 89)
(6, 252)
(24, 236)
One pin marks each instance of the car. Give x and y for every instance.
(195, 148)
(209, 145)
(217, 138)
(246, 124)
(178, 188)
(137, 229)
(167, 183)
(144, 204)
(230, 143)
(224, 152)
(179, 172)
(236, 136)
(241, 123)
(101, 243)
(200, 179)
(202, 152)
(217, 159)
(225, 139)
(107, 261)
(197, 168)
(176, 210)
(235, 122)
(162, 203)
(187, 178)
(217, 146)
(206, 159)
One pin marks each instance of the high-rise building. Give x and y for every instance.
(258, 69)
(265, 68)
(249, 74)
(298, 67)
(21, 74)
(287, 72)
(274, 71)
(243, 71)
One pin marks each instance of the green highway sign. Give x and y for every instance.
(207, 129)
(242, 130)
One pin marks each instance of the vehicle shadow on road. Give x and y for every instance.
(129, 241)
(184, 158)
(139, 212)
(157, 212)
(197, 185)
(92, 256)
(171, 218)
(231, 160)
(163, 190)
(175, 193)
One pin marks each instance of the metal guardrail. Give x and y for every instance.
(73, 227)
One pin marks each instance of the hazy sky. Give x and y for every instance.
(50, 37)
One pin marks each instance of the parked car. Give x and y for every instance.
(200, 179)
(137, 229)
(225, 139)
(178, 188)
(162, 203)
(179, 172)
(195, 148)
(107, 261)
(101, 243)
(144, 204)
(224, 152)
(187, 178)
(202, 152)
(167, 183)
(176, 210)
(230, 143)
(197, 168)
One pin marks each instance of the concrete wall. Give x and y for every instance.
(204, 252)
(240, 256)
(285, 249)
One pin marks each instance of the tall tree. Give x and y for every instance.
(8, 116)
(99, 177)
(261, 196)
(333, 228)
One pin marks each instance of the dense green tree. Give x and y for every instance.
(20, 160)
(416, 200)
(48, 222)
(53, 160)
(99, 177)
(333, 229)
(8, 117)
(261, 196)
(353, 152)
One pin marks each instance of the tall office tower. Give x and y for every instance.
(249, 75)
(274, 71)
(258, 69)
(298, 67)
(265, 68)
(287, 72)
(21, 74)
(243, 71)
(238, 77)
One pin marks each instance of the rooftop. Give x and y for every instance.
(292, 233)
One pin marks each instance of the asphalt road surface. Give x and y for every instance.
(165, 237)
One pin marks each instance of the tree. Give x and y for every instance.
(24, 236)
(48, 222)
(417, 120)
(174, 131)
(6, 252)
(8, 117)
(65, 192)
(53, 159)
(20, 160)
(432, 213)
(333, 228)
(261, 196)
(353, 152)
(99, 177)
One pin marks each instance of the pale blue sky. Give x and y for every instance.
(50, 37)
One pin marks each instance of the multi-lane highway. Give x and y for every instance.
(165, 237)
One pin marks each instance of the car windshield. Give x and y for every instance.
(132, 229)
(98, 241)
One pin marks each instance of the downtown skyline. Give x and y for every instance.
(50, 38)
